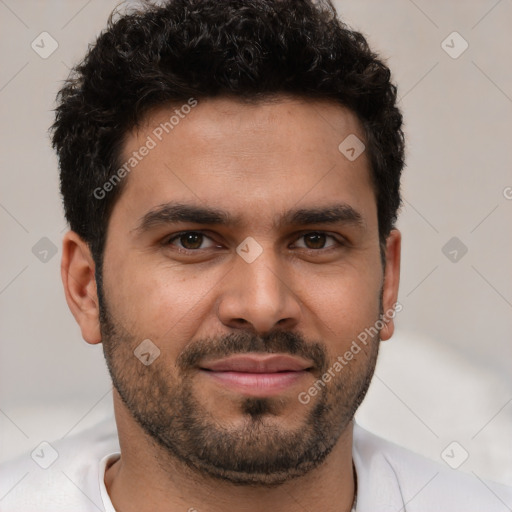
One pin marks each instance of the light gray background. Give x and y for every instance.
(444, 377)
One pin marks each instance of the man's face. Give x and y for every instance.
(195, 288)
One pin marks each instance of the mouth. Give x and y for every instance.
(257, 374)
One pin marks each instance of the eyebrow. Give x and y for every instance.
(332, 214)
(171, 213)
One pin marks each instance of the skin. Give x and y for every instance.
(256, 162)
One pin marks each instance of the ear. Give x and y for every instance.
(391, 282)
(78, 277)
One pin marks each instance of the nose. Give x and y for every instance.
(259, 296)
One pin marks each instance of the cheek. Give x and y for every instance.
(343, 305)
(159, 302)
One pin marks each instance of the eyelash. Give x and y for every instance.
(338, 242)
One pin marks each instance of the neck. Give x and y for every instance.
(138, 482)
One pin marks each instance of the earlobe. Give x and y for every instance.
(391, 284)
(78, 278)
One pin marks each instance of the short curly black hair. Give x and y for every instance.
(248, 49)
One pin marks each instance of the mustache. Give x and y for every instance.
(242, 342)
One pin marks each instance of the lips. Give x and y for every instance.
(257, 374)
(258, 363)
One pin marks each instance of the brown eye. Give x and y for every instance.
(191, 240)
(315, 240)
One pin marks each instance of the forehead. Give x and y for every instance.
(246, 158)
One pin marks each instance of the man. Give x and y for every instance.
(230, 172)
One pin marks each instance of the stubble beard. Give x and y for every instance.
(258, 450)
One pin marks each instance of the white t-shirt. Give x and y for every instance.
(389, 478)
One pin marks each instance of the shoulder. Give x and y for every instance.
(59, 476)
(391, 477)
